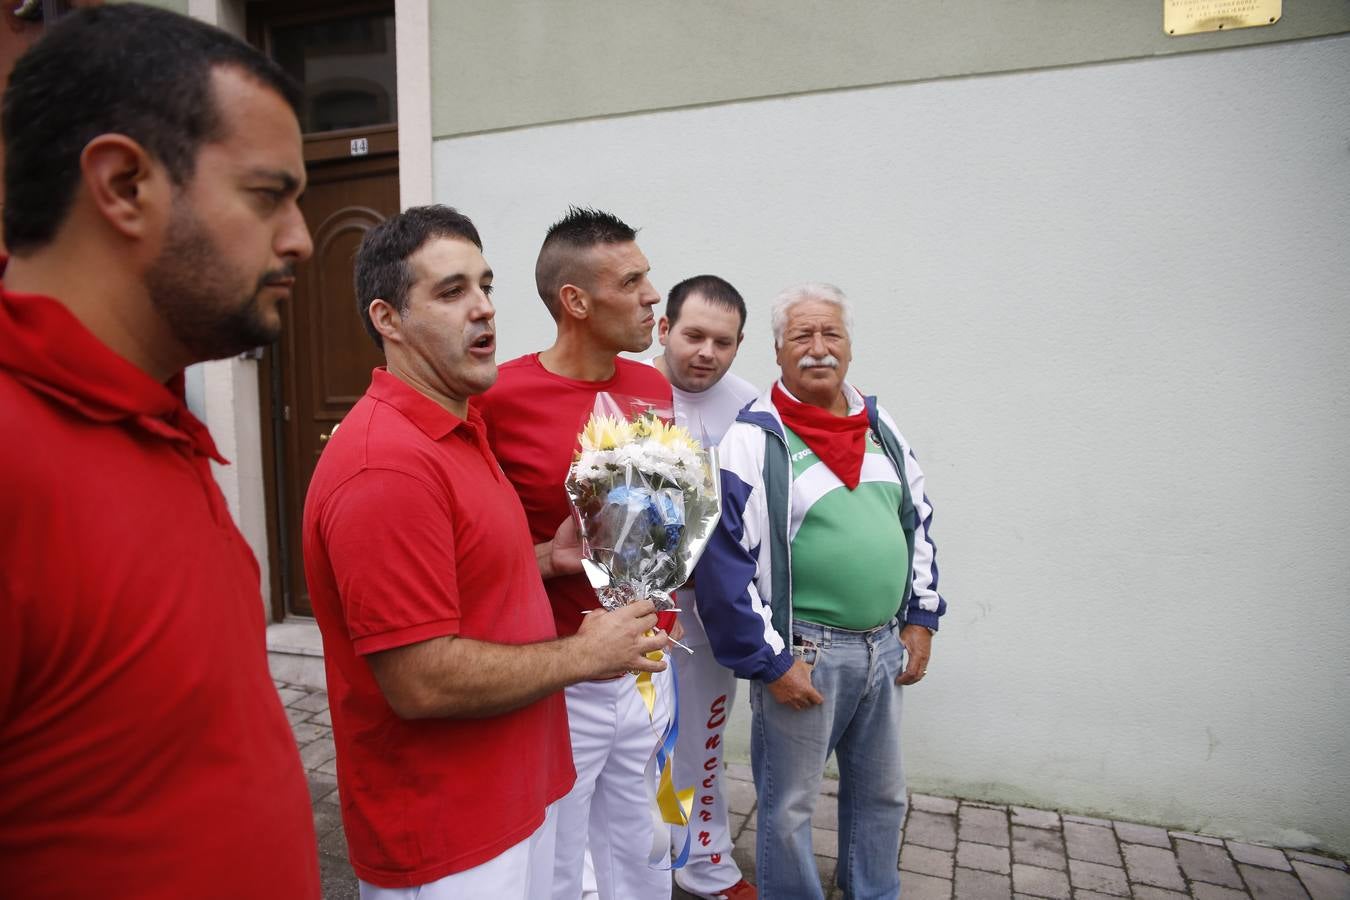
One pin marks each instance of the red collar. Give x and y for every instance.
(434, 420)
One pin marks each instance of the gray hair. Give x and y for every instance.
(811, 290)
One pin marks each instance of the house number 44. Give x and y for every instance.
(360, 146)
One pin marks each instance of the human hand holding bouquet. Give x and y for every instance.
(622, 641)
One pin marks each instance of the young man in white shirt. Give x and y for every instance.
(700, 332)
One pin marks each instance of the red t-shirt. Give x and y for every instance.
(143, 750)
(533, 418)
(412, 533)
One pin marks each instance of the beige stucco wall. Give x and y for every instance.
(513, 63)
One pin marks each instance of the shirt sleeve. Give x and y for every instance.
(390, 541)
(926, 605)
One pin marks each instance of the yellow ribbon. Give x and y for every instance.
(676, 805)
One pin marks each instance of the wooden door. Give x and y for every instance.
(321, 366)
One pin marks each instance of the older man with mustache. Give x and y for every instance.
(820, 586)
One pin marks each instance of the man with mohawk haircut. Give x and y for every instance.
(592, 278)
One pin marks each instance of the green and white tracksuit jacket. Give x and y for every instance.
(743, 582)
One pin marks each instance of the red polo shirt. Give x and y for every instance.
(143, 750)
(533, 419)
(412, 533)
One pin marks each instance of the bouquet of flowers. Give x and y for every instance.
(647, 495)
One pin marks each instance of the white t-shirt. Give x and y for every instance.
(707, 414)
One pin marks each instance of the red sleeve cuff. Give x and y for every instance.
(402, 637)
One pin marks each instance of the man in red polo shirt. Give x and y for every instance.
(152, 170)
(444, 667)
(592, 278)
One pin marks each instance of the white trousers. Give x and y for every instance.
(522, 872)
(608, 807)
(707, 691)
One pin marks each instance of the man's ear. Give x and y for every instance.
(574, 302)
(129, 190)
(386, 319)
(663, 330)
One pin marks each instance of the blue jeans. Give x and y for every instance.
(859, 721)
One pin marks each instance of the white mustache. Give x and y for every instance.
(829, 361)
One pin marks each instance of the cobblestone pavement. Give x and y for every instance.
(951, 849)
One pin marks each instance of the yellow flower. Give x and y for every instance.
(605, 433)
(673, 437)
(679, 436)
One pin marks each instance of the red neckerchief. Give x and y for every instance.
(44, 347)
(839, 441)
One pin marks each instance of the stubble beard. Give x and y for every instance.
(201, 300)
(641, 342)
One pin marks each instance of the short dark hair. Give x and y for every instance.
(717, 291)
(382, 271)
(580, 229)
(122, 69)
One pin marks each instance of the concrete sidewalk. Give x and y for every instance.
(951, 848)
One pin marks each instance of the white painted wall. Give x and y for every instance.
(1108, 306)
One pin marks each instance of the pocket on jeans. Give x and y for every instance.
(805, 649)
(899, 656)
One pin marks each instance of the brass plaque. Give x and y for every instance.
(1195, 16)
